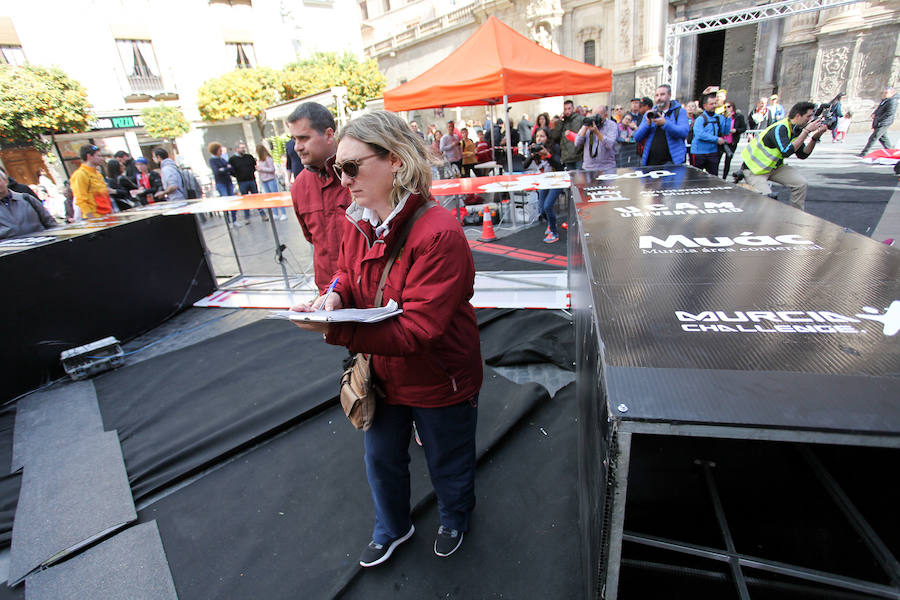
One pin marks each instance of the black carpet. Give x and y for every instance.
(289, 518)
(525, 534)
(527, 239)
(184, 410)
(512, 337)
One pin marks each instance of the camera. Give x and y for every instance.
(594, 120)
(652, 114)
(825, 111)
(536, 148)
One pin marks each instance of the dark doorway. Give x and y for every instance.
(710, 50)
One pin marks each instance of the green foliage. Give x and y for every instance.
(277, 144)
(323, 70)
(40, 100)
(240, 93)
(165, 122)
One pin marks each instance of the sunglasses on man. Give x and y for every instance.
(349, 166)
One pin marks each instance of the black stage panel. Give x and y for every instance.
(9, 482)
(290, 517)
(184, 410)
(705, 309)
(120, 276)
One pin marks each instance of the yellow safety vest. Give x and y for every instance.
(762, 159)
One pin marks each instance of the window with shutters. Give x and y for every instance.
(243, 53)
(140, 64)
(590, 56)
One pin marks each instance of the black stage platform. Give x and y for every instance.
(119, 276)
(236, 451)
(706, 311)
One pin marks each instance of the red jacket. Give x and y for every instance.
(430, 355)
(319, 203)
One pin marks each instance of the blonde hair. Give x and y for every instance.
(387, 133)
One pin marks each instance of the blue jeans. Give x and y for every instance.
(270, 187)
(249, 187)
(227, 189)
(547, 206)
(448, 439)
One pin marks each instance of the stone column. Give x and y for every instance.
(653, 13)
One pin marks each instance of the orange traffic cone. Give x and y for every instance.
(487, 227)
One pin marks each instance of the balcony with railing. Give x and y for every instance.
(427, 29)
(145, 84)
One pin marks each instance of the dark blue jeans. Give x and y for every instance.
(249, 187)
(547, 205)
(227, 189)
(448, 439)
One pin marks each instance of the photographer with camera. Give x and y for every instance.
(598, 138)
(664, 128)
(571, 121)
(764, 155)
(708, 143)
(543, 157)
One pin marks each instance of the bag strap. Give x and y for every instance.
(395, 252)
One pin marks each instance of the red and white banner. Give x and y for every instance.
(441, 187)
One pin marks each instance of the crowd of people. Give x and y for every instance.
(648, 132)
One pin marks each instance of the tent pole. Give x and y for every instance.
(508, 137)
(508, 124)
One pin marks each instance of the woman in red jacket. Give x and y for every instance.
(428, 359)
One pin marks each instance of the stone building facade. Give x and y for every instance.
(814, 55)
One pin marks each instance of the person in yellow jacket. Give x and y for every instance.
(764, 155)
(88, 185)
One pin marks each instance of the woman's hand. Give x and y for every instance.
(334, 302)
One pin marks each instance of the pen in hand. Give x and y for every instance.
(328, 293)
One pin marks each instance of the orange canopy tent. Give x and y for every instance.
(497, 64)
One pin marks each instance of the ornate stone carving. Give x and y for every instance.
(588, 33)
(542, 35)
(543, 17)
(624, 41)
(833, 71)
(875, 65)
(645, 85)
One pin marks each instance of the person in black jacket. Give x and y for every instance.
(148, 182)
(244, 166)
(738, 127)
(117, 193)
(882, 118)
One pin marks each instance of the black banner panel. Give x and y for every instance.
(706, 311)
(117, 276)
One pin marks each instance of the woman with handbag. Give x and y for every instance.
(399, 245)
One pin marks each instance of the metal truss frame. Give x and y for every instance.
(735, 18)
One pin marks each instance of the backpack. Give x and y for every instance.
(192, 189)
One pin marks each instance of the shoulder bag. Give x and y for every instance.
(359, 390)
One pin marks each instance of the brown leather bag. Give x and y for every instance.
(359, 390)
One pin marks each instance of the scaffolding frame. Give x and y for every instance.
(735, 18)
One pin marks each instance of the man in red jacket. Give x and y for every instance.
(319, 200)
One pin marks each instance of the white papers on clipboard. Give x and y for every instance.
(343, 315)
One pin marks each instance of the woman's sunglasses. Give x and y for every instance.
(350, 166)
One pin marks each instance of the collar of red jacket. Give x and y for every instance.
(397, 223)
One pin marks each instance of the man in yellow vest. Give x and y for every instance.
(764, 155)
